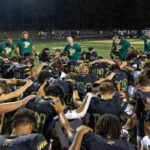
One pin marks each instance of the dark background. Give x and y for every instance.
(74, 14)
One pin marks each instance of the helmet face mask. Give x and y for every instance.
(45, 55)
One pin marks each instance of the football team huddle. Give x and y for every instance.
(74, 99)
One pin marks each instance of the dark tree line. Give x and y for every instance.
(74, 14)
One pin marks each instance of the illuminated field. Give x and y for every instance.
(101, 46)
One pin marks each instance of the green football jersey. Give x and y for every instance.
(122, 49)
(6, 50)
(73, 51)
(146, 43)
(25, 45)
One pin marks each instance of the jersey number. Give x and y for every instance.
(40, 121)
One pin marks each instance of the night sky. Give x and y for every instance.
(74, 14)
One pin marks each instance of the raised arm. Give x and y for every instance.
(12, 81)
(41, 90)
(16, 93)
(81, 131)
(59, 108)
(40, 68)
(76, 99)
(110, 77)
(8, 107)
(103, 60)
(82, 110)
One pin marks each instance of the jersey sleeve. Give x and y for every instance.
(128, 44)
(88, 137)
(18, 43)
(66, 48)
(92, 141)
(142, 37)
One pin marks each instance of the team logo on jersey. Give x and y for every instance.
(8, 50)
(118, 47)
(26, 44)
(72, 51)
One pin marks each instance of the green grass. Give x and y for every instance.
(101, 46)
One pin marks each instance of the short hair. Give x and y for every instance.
(147, 73)
(24, 32)
(146, 65)
(53, 88)
(90, 48)
(69, 37)
(106, 88)
(142, 80)
(109, 125)
(23, 117)
(57, 63)
(58, 50)
(84, 68)
(63, 54)
(71, 75)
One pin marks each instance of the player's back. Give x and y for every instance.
(92, 141)
(25, 142)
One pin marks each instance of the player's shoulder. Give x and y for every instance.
(124, 145)
(77, 45)
(142, 94)
(95, 99)
(37, 103)
(20, 40)
(36, 136)
(30, 40)
(124, 41)
(2, 43)
(34, 140)
(67, 46)
(91, 136)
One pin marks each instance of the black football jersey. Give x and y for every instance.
(91, 141)
(85, 80)
(142, 103)
(100, 69)
(99, 107)
(25, 142)
(121, 78)
(44, 113)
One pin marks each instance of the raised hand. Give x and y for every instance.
(57, 105)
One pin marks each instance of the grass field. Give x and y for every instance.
(101, 46)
